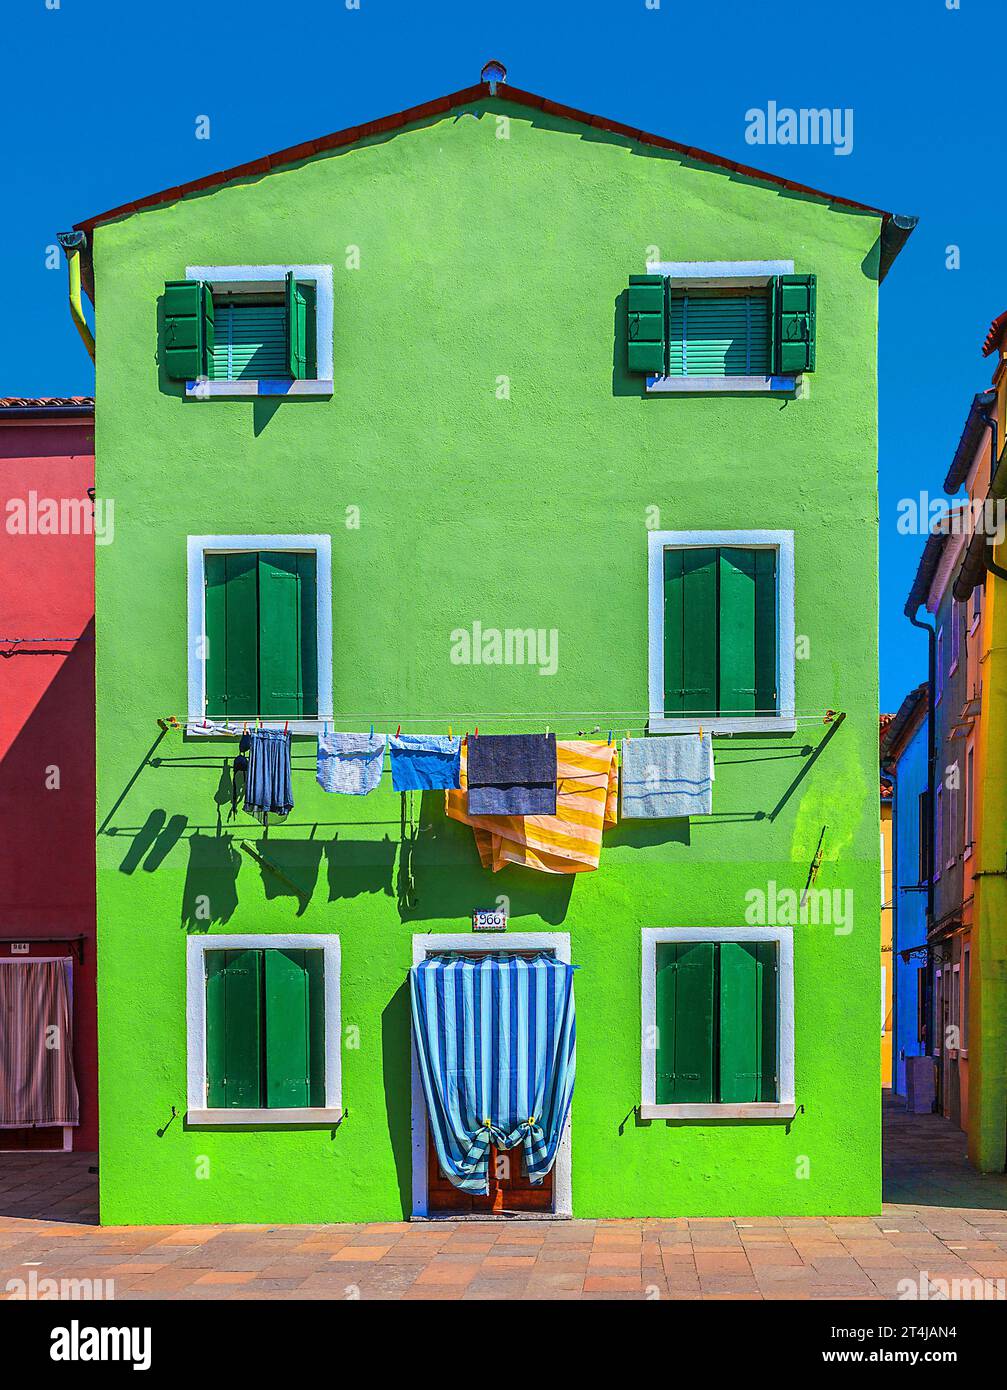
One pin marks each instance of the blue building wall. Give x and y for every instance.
(909, 926)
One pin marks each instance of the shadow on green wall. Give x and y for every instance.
(395, 1045)
(210, 891)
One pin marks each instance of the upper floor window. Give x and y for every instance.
(250, 330)
(721, 630)
(721, 326)
(260, 629)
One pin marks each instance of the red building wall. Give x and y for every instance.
(47, 892)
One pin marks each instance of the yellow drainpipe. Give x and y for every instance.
(72, 244)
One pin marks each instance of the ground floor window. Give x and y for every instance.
(264, 1029)
(717, 1012)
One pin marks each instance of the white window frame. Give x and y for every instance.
(785, 1107)
(250, 279)
(686, 275)
(783, 543)
(198, 547)
(196, 948)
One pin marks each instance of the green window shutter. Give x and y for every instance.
(690, 631)
(295, 1059)
(794, 324)
(231, 623)
(288, 651)
(737, 631)
(647, 337)
(748, 1022)
(684, 1016)
(766, 700)
(719, 335)
(250, 342)
(188, 329)
(234, 1029)
(300, 314)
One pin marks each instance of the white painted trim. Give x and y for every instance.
(197, 548)
(783, 543)
(423, 945)
(195, 1028)
(689, 385)
(713, 273)
(945, 568)
(251, 277)
(785, 1107)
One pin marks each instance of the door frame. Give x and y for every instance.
(430, 943)
(66, 1131)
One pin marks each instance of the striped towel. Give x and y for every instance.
(587, 798)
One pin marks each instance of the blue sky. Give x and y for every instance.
(100, 99)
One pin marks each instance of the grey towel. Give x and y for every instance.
(667, 777)
(512, 775)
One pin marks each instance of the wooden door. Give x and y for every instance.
(510, 1190)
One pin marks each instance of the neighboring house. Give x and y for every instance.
(978, 467)
(949, 926)
(48, 1033)
(904, 760)
(887, 977)
(418, 388)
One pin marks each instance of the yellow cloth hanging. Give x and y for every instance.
(587, 799)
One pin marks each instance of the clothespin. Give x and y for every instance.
(286, 725)
(701, 733)
(610, 738)
(628, 734)
(477, 731)
(398, 731)
(260, 721)
(372, 731)
(244, 727)
(325, 727)
(450, 734)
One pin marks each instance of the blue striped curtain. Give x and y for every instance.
(494, 1039)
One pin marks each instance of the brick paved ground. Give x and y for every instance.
(938, 1216)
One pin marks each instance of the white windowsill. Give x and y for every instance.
(757, 1110)
(756, 724)
(265, 386)
(294, 1116)
(683, 385)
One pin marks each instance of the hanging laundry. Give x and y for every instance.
(424, 762)
(512, 775)
(350, 763)
(664, 778)
(569, 842)
(268, 786)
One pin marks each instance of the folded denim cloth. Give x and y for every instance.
(350, 763)
(512, 775)
(425, 762)
(664, 778)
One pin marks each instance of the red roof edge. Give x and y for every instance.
(994, 334)
(480, 91)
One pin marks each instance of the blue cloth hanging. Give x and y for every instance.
(268, 785)
(425, 762)
(495, 1039)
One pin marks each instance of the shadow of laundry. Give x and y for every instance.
(289, 868)
(165, 843)
(210, 893)
(142, 841)
(360, 866)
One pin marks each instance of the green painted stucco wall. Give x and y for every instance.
(483, 258)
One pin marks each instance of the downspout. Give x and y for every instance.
(73, 243)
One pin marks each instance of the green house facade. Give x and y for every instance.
(490, 415)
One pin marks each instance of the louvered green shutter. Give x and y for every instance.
(288, 655)
(250, 342)
(748, 1022)
(234, 1029)
(684, 1015)
(647, 324)
(188, 329)
(300, 308)
(295, 1058)
(232, 628)
(794, 324)
(719, 335)
(737, 631)
(690, 631)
